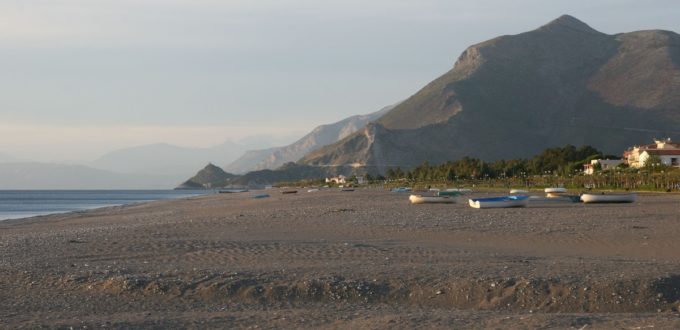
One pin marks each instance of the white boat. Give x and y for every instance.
(232, 190)
(460, 190)
(312, 190)
(499, 202)
(558, 190)
(419, 199)
(518, 191)
(608, 198)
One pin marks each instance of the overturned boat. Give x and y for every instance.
(499, 202)
(609, 198)
(420, 199)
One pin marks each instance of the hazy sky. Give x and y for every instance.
(81, 77)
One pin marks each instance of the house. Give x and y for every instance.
(340, 179)
(667, 152)
(605, 164)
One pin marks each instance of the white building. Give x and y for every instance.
(605, 164)
(667, 151)
(340, 179)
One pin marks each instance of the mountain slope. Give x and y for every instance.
(323, 135)
(512, 96)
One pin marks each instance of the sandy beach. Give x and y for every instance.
(332, 259)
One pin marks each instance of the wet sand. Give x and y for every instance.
(331, 259)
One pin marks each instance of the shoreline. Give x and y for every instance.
(344, 259)
(84, 208)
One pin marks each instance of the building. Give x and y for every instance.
(667, 152)
(340, 179)
(605, 164)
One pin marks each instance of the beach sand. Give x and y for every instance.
(332, 259)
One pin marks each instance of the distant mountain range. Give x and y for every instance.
(323, 135)
(6, 158)
(155, 166)
(174, 161)
(27, 175)
(513, 96)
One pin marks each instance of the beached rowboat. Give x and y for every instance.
(608, 198)
(419, 199)
(518, 191)
(258, 196)
(232, 191)
(449, 193)
(499, 202)
(285, 192)
(555, 190)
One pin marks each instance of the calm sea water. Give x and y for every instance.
(28, 203)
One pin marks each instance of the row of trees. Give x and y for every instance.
(563, 161)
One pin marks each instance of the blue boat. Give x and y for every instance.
(499, 202)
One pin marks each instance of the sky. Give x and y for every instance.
(80, 78)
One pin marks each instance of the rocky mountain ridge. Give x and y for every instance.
(512, 96)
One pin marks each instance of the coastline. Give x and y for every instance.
(82, 203)
(334, 259)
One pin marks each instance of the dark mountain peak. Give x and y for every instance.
(210, 176)
(212, 167)
(568, 23)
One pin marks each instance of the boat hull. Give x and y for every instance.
(418, 199)
(608, 198)
(556, 190)
(499, 202)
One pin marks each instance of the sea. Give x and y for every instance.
(16, 204)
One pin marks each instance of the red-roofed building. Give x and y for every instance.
(667, 151)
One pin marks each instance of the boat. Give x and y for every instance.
(258, 196)
(559, 198)
(420, 199)
(460, 190)
(518, 191)
(557, 190)
(285, 192)
(499, 202)
(313, 190)
(232, 191)
(609, 198)
(347, 189)
(401, 189)
(449, 193)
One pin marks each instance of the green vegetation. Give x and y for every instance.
(553, 167)
(568, 160)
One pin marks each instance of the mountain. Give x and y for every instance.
(210, 176)
(6, 158)
(286, 173)
(323, 135)
(169, 160)
(515, 95)
(28, 175)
